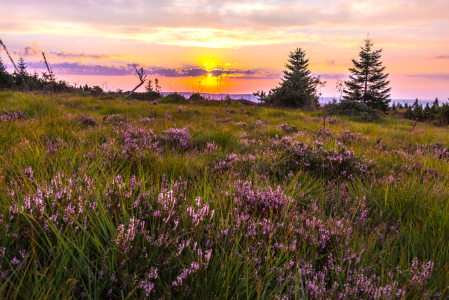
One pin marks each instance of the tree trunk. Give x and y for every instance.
(366, 87)
(130, 93)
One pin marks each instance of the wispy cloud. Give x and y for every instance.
(331, 63)
(213, 23)
(333, 76)
(36, 51)
(441, 57)
(444, 76)
(79, 68)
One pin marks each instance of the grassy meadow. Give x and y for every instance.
(111, 198)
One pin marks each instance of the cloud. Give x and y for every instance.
(333, 76)
(33, 50)
(443, 76)
(331, 63)
(441, 57)
(83, 55)
(79, 68)
(229, 24)
(36, 51)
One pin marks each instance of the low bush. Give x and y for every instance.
(174, 98)
(353, 109)
(196, 97)
(149, 96)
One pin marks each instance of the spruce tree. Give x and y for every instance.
(22, 67)
(5, 77)
(21, 74)
(2, 66)
(368, 83)
(298, 87)
(149, 86)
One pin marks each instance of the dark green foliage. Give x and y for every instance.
(442, 116)
(149, 96)
(6, 80)
(197, 97)
(21, 80)
(157, 87)
(175, 98)
(298, 88)
(96, 91)
(368, 83)
(352, 108)
(22, 67)
(436, 113)
(21, 74)
(149, 86)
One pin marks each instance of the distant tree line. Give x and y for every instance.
(21, 80)
(428, 113)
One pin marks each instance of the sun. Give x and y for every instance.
(209, 74)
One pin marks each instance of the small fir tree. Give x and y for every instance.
(21, 74)
(5, 77)
(298, 87)
(22, 67)
(368, 82)
(2, 66)
(149, 86)
(435, 105)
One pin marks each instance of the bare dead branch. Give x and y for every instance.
(142, 77)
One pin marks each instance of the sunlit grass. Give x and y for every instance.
(395, 213)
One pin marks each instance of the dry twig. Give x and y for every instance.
(142, 77)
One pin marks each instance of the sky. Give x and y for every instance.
(187, 44)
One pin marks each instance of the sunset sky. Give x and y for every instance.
(248, 42)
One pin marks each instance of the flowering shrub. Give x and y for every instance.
(167, 116)
(179, 138)
(262, 202)
(54, 144)
(211, 147)
(11, 116)
(224, 120)
(90, 215)
(115, 119)
(146, 120)
(259, 123)
(68, 203)
(287, 129)
(134, 139)
(87, 121)
(240, 123)
(347, 137)
(340, 162)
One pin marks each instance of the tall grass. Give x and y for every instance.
(194, 207)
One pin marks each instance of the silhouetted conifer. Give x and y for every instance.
(22, 67)
(149, 86)
(368, 82)
(298, 88)
(5, 77)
